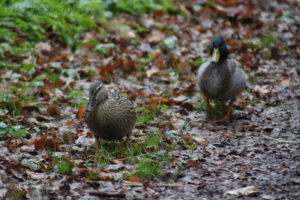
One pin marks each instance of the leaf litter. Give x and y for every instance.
(255, 155)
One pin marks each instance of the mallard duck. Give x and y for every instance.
(110, 116)
(220, 78)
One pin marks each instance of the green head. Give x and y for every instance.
(218, 49)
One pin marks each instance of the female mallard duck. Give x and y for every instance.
(220, 78)
(109, 116)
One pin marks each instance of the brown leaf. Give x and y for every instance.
(80, 112)
(163, 100)
(53, 110)
(285, 83)
(228, 135)
(194, 164)
(135, 178)
(70, 123)
(44, 142)
(227, 3)
(155, 37)
(184, 68)
(202, 141)
(115, 161)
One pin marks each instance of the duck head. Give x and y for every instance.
(97, 95)
(218, 50)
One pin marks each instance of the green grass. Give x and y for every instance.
(145, 115)
(147, 168)
(217, 108)
(24, 23)
(63, 164)
(268, 40)
(37, 20)
(144, 155)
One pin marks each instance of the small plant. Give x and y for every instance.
(187, 143)
(211, 3)
(12, 131)
(104, 48)
(103, 158)
(197, 62)
(268, 40)
(145, 115)
(217, 107)
(201, 106)
(162, 107)
(148, 168)
(287, 18)
(64, 165)
(15, 192)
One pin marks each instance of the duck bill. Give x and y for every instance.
(216, 56)
(90, 105)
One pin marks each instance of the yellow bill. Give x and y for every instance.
(216, 56)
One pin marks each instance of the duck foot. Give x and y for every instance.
(227, 116)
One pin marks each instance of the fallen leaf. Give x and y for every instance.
(80, 112)
(44, 142)
(151, 72)
(43, 46)
(285, 83)
(297, 181)
(53, 110)
(245, 191)
(155, 37)
(163, 100)
(194, 164)
(262, 90)
(70, 123)
(115, 161)
(202, 141)
(135, 178)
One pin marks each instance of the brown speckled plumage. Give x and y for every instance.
(112, 116)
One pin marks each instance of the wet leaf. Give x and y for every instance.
(155, 37)
(246, 191)
(80, 112)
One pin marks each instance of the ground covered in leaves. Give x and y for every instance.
(177, 150)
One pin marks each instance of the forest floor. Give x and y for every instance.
(177, 150)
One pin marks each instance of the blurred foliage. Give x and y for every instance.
(23, 23)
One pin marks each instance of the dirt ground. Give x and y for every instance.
(258, 147)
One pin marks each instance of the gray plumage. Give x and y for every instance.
(223, 80)
(109, 116)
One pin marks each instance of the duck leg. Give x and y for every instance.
(97, 145)
(206, 100)
(227, 116)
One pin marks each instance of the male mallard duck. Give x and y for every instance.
(109, 116)
(220, 78)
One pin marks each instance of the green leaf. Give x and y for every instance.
(287, 18)
(103, 48)
(71, 73)
(197, 7)
(170, 42)
(2, 125)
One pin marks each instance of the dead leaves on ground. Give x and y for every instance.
(48, 142)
